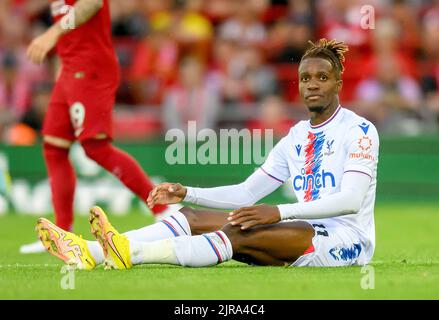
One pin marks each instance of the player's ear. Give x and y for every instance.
(339, 85)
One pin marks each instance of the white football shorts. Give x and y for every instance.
(335, 245)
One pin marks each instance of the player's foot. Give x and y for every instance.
(115, 245)
(34, 247)
(65, 245)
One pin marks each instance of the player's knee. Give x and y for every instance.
(236, 236)
(192, 219)
(52, 151)
(95, 149)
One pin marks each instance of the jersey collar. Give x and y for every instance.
(332, 119)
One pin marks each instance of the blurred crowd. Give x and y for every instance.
(228, 63)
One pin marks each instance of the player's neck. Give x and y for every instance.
(320, 117)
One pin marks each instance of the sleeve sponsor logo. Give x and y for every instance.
(361, 155)
(364, 143)
(364, 148)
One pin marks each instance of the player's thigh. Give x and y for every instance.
(282, 241)
(204, 221)
(57, 123)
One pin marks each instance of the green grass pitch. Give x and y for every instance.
(406, 266)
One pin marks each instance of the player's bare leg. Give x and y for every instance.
(203, 221)
(276, 244)
(289, 240)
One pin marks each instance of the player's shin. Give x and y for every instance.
(192, 251)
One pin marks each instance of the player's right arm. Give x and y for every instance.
(262, 182)
(82, 11)
(254, 188)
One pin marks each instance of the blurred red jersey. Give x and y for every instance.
(89, 46)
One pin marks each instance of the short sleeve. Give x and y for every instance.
(362, 149)
(276, 164)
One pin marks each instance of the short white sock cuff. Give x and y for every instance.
(96, 251)
(178, 224)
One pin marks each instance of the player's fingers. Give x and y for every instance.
(161, 187)
(149, 198)
(31, 54)
(239, 211)
(35, 52)
(242, 219)
(153, 192)
(162, 197)
(159, 197)
(249, 224)
(42, 55)
(38, 55)
(175, 188)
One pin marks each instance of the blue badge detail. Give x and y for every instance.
(365, 127)
(298, 149)
(329, 147)
(345, 254)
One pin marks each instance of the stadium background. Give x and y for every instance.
(232, 64)
(228, 64)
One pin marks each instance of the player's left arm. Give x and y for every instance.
(359, 169)
(82, 11)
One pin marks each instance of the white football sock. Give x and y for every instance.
(192, 251)
(173, 226)
(96, 251)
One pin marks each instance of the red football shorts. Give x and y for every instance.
(81, 107)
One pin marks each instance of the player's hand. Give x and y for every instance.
(166, 193)
(41, 45)
(248, 217)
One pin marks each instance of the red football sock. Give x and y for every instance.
(123, 166)
(62, 183)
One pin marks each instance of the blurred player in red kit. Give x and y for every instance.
(81, 103)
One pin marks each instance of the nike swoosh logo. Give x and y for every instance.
(113, 247)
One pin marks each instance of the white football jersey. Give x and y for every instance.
(316, 157)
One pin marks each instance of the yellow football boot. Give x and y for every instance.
(115, 245)
(67, 246)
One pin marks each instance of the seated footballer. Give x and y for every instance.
(332, 162)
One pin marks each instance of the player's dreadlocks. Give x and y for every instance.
(332, 50)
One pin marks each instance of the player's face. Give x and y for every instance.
(318, 84)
